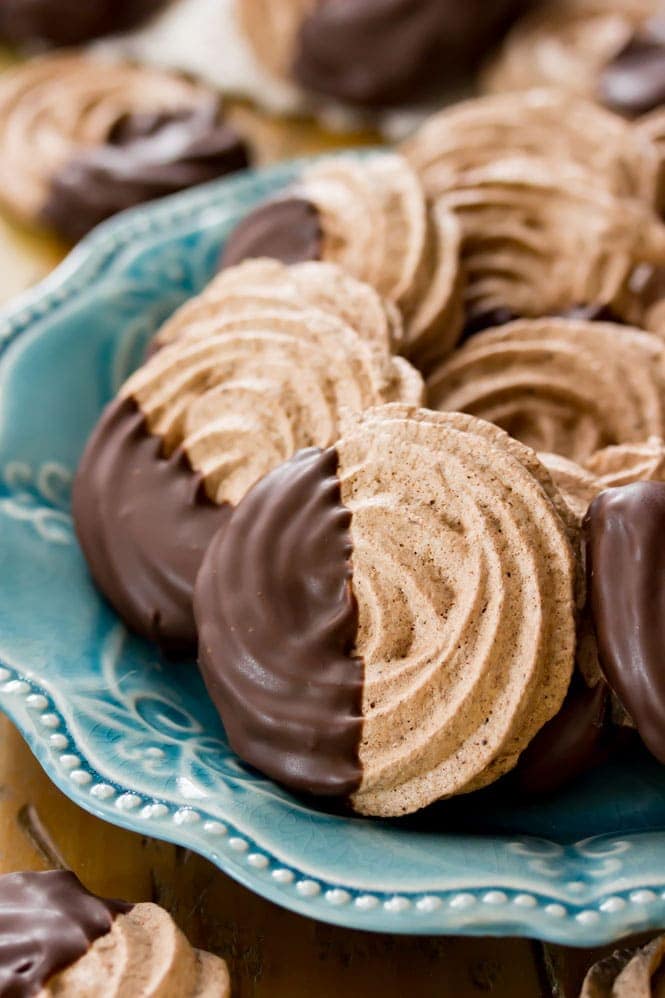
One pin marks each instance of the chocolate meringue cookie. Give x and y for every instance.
(539, 239)
(547, 124)
(376, 52)
(59, 939)
(197, 426)
(371, 217)
(417, 620)
(70, 22)
(559, 385)
(257, 284)
(628, 974)
(117, 136)
(612, 51)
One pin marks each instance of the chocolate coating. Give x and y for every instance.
(146, 156)
(277, 626)
(382, 52)
(144, 523)
(288, 229)
(570, 744)
(47, 922)
(625, 531)
(71, 22)
(633, 83)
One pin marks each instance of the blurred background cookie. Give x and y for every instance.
(70, 22)
(376, 52)
(116, 136)
(59, 939)
(409, 643)
(612, 51)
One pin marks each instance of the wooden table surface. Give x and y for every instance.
(272, 953)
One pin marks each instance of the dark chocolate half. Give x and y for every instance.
(144, 522)
(47, 922)
(277, 625)
(574, 741)
(288, 229)
(70, 22)
(383, 52)
(146, 156)
(625, 532)
(633, 83)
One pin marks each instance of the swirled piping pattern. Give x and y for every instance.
(562, 386)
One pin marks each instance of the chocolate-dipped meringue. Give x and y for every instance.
(117, 135)
(223, 403)
(370, 216)
(423, 655)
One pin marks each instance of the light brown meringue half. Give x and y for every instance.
(145, 955)
(55, 106)
(271, 27)
(464, 575)
(256, 285)
(378, 225)
(539, 240)
(259, 386)
(544, 123)
(628, 974)
(560, 385)
(567, 44)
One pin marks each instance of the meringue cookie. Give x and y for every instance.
(374, 221)
(539, 239)
(198, 425)
(375, 52)
(547, 124)
(437, 603)
(61, 940)
(116, 136)
(628, 974)
(144, 955)
(570, 45)
(559, 385)
(251, 287)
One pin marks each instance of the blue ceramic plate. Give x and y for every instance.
(134, 739)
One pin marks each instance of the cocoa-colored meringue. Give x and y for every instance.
(144, 955)
(567, 44)
(257, 285)
(53, 107)
(465, 589)
(560, 385)
(462, 571)
(375, 222)
(628, 974)
(548, 124)
(538, 239)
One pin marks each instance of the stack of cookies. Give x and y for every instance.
(398, 472)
